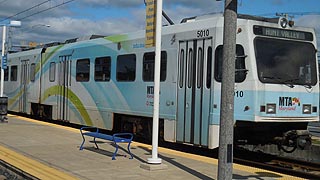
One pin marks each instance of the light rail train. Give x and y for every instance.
(107, 82)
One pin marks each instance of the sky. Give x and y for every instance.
(78, 18)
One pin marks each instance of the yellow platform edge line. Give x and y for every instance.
(180, 154)
(31, 166)
(47, 123)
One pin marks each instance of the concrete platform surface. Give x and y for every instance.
(49, 151)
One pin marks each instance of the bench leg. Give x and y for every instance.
(81, 146)
(130, 151)
(115, 152)
(94, 140)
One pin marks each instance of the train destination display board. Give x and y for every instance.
(150, 23)
(282, 33)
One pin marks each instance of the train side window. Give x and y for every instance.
(240, 68)
(52, 72)
(102, 69)
(83, 70)
(181, 68)
(14, 73)
(190, 68)
(126, 68)
(148, 66)
(6, 74)
(32, 72)
(200, 68)
(209, 67)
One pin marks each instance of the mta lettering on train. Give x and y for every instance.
(288, 103)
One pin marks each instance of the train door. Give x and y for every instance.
(64, 69)
(24, 80)
(195, 57)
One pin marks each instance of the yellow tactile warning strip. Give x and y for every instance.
(45, 123)
(163, 150)
(31, 166)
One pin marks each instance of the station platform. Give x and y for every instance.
(50, 151)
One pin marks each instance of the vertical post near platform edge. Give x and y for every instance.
(4, 33)
(225, 161)
(155, 125)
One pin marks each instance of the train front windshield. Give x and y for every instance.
(285, 62)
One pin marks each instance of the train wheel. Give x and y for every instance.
(288, 149)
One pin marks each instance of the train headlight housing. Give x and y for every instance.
(306, 109)
(271, 108)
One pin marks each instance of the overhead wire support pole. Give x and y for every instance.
(225, 161)
(155, 123)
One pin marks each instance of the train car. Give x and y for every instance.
(108, 82)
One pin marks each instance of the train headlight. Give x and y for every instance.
(306, 109)
(283, 22)
(271, 108)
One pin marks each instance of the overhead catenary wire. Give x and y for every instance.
(3, 1)
(46, 9)
(38, 12)
(9, 17)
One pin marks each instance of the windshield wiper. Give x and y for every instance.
(290, 81)
(281, 81)
(298, 79)
(307, 86)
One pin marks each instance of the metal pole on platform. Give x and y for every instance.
(4, 33)
(155, 126)
(227, 95)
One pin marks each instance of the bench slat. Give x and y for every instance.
(99, 135)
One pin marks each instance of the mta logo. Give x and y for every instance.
(289, 101)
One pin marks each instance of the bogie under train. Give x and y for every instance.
(108, 82)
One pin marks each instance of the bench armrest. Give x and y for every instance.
(87, 128)
(127, 136)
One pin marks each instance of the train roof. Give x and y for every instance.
(240, 16)
(216, 19)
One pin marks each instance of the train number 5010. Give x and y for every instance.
(203, 33)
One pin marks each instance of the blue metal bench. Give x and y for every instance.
(116, 138)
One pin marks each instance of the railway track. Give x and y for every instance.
(314, 129)
(298, 168)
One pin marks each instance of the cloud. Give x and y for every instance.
(65, 28)
(103, 17)
(112, 3)
(277, 2)
(86, 17)
(310, 21)
(205, 5)
(18, 10)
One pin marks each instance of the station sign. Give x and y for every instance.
(4, 61)
(150, 23)
(282, 33)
